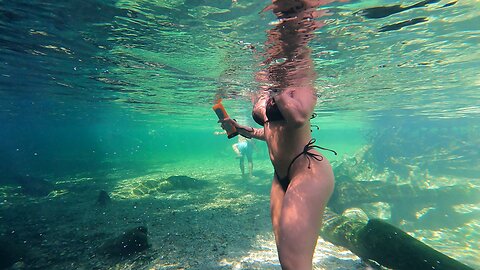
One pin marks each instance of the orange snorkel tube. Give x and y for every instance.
(222, 114)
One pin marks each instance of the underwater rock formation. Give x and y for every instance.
(157, 186)
(103, 198)
(414, 146)
(128, 243)
(444, 218)
(405, 200)
(185, 182)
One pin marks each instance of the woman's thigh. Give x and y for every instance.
(301, 217)
(276, 198)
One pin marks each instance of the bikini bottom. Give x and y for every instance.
(285, 181)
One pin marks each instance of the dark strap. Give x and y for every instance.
(312, 141)
(316, 126)
(310, 145)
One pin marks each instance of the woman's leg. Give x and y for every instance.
(276, 199)
(236, 149)
(301, 218)
(242, 165)
(249, 155)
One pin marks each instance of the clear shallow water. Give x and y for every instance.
(91, 87)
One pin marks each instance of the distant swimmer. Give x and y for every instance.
(244, 148)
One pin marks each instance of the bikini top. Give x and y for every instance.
(272, 112)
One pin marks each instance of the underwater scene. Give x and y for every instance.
(111, 156)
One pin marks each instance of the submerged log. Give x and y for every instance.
(385, 244)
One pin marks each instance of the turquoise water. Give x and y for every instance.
(117, 95)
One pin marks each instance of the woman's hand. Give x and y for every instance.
(226, 122)
(245, 131)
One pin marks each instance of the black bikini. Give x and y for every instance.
(274, 114)
(285, 181)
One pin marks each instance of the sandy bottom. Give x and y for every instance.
(221, 223)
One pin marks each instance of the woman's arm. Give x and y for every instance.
(296, 104)
(246, 131)
(294, 75)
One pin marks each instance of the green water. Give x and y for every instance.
(117, 95)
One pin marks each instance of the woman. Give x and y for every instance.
(303, 180)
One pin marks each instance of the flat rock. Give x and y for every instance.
(128, 243)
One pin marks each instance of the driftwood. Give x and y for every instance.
(385, 244)
(404, 200)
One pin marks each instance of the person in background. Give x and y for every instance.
(244, 148)
(303, 179)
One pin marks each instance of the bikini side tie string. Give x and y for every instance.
(310, 145)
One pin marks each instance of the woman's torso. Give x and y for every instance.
(285, 143)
